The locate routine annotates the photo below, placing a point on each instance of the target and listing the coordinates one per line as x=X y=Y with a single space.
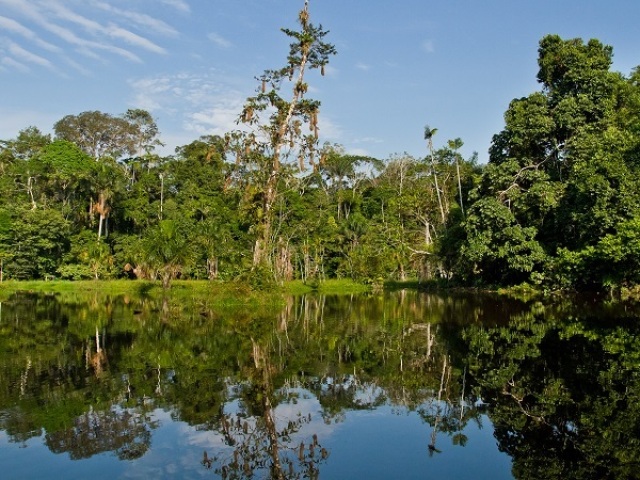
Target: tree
x=455 y=145
x=28 y=142
x=267 y=144
x=39 y=238
x=565 y=165
x=428 y=136
x=145 y=135
x=101 y=134
x=166 y=250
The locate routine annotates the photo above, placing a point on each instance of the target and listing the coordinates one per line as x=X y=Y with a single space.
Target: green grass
x=59 y=286
x=333 y=286
x=215 y=292
x=228 y=290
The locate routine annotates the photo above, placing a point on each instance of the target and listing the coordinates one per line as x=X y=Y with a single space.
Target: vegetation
x=556 y=207
x=558 y=381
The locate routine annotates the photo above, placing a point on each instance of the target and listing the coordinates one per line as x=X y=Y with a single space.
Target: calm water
x=394 y=385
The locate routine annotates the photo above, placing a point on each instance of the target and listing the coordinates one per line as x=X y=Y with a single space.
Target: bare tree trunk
x=459 y=186
x=30 y=191
x=432 y=445
x=212 y=268
x=103 y=210
x=262 y=365
x=435 y=179
x=263 y=242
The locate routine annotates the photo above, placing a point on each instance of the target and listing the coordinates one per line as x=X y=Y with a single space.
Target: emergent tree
x=265 y=145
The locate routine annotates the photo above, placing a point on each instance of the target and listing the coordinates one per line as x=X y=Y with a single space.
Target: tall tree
x=266 y=144
x=428 y=136
x=28 y=142
x=562 y=173
x=145 y=134
x=101 y=134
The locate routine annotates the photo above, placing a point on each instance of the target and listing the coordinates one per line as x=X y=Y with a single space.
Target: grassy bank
x=232 y=292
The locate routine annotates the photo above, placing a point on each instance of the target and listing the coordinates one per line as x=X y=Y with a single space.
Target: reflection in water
x=272 y=388
x=260 y=446
x=125 y=433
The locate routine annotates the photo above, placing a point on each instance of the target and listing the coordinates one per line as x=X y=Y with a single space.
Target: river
x=401 y=384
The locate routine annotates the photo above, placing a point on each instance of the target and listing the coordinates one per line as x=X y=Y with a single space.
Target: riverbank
x=215 y=288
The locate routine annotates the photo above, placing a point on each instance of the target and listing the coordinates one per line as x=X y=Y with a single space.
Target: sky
x=401 y=64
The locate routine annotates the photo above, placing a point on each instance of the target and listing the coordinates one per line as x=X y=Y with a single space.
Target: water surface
x=391 y=385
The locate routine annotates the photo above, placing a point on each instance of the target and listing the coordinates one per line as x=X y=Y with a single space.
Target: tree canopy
x=556 y=206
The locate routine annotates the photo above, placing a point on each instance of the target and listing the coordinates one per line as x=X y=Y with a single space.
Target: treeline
x=556 y=206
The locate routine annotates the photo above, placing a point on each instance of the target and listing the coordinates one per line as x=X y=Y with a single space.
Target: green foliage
x=562 y=176
x=165 y=250
x=555 y=207
x=498 y=250
x=36 y=244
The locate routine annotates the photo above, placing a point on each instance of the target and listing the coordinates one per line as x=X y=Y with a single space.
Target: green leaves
x=563 y=167
x=166 y=249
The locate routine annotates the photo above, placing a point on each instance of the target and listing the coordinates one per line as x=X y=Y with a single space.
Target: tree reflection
x=125 y=433
x=561 y=387
x=259 y=444
x=564 y=394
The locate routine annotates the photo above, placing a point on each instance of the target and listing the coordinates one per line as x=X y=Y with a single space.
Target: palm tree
x=428 y=136
x=455 y=145
x=167 y=251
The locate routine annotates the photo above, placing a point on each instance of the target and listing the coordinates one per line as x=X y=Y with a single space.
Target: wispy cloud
x=219 y=40
x=140 y=19
x=11 y=25
x=57 y=30
x=87 y=47
x=133 y=39
x=363 y=66
x=111 y=30
x=77 y=66
x=202 y=103
x=428 y=46
x=14 y=65
x=28 y=57
x=63 y=13
x=180 y=5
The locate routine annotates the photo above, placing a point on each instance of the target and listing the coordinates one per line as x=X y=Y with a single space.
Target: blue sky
x=402 y=64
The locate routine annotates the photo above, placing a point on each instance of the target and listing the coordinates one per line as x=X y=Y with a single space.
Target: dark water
x=393 y=385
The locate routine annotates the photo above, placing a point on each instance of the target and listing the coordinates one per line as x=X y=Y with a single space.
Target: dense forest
x=555 y=207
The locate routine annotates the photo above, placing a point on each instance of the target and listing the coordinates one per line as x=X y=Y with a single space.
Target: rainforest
x=554 y=208
x=144 y=333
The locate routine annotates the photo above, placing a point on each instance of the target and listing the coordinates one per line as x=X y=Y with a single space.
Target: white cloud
x=219 y=40
x=329 y=131
x=141 y=19
x=91 y=27
x=217 y=120
x=150 y=93
x=28 y=57
x=80 y=68
x=428 y=46
x=85 y=47
x=67 y=15
x=198 y=104
x=16 y=27
x=20 y=6
x=111 y=30
x=205 y=104
x=363 y=66
x=181 y=5
x=134 y=39
x=14 y=64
